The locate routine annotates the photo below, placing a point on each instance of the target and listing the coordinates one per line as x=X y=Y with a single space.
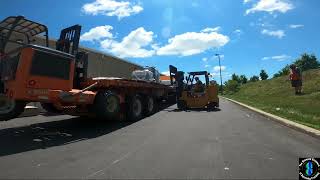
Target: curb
x=30 y=111
x=302 y=128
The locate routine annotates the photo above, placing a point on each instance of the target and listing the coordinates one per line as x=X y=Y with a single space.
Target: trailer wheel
x=182 y=105
x=107 y=105
x=49 y=107
x=135 y=108
x=150 y=105
x=10 y=109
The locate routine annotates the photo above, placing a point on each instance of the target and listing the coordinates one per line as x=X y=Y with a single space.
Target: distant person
x=199 y=87
x=296 y=79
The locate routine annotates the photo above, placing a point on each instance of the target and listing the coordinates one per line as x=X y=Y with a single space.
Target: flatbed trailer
x=129 y=94
x=57 y=78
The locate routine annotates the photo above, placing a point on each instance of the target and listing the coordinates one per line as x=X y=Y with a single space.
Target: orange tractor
x=57 y=78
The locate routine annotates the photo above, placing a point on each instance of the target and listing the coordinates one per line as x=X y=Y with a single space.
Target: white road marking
x=118 y=160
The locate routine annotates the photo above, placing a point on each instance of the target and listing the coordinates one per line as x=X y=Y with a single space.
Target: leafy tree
x=232 y=86
x=306 y=62
x=243 y=79
x=235 y=77
x=254 y=79
x=263 y=75
x=282 y=72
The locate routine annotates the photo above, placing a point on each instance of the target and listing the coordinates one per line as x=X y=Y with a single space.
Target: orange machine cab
x=40 y=69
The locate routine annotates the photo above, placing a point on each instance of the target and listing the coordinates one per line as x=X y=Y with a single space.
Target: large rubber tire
x=10 y=109
x=134 y=108
x=150 y=105
x=49 y=107
x=107 y=105
x=182 y=105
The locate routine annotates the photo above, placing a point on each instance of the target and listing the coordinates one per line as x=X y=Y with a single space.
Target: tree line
x=305 y=62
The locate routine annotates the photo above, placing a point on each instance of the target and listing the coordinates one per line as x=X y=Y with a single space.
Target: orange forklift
x=57 y=78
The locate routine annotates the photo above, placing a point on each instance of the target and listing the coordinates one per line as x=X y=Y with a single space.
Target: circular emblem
x=309 y=169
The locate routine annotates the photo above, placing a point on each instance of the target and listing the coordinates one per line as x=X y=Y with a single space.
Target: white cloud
x=133 y=45
x=97 y=33
x=140 y=43
x=237 y=31
x=191 y=43
x=271 y=6
x=225 y=75
x=208 y=30
x=295 y=26
x=277 y=58
x=278 y=33
x=207 y=66
x=217 y=68
x=166 y=73
x=204 y=59
x=246 y=1
x=120 y=9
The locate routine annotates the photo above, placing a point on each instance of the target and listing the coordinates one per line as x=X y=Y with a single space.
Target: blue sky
x=250 y=34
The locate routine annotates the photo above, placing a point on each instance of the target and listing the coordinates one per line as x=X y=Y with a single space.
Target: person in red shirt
x=296 y=79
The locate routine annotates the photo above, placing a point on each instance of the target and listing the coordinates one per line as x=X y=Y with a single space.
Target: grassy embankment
x=277 y=97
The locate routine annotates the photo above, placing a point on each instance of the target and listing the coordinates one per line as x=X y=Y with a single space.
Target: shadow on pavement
x=56 y=133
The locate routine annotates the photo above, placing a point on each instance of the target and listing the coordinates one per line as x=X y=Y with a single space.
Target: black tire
x=49 y=107
x=10 y=109
x=182 y=105
x=211 y=107
x=107 y=105
x=134 y=108
x=150 y=105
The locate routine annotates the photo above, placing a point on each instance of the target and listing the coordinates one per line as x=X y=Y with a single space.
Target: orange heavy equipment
x=192 y=93
x=57 y=78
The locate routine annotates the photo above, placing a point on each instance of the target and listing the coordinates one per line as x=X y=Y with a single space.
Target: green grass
x=276 y=96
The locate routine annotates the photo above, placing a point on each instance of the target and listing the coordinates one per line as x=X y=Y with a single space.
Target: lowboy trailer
x=57 y=78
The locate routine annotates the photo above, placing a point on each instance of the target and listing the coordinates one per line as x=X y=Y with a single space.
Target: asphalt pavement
x=230 y=143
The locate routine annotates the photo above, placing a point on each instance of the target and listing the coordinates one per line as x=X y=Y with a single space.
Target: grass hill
x=276 y=96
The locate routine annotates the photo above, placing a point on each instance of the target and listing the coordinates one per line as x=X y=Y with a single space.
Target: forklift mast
x=177 y=78
x=69 y=37
x=69 y=43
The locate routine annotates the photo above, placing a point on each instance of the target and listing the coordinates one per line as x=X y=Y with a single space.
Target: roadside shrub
x=254 y=79
x=232 y=86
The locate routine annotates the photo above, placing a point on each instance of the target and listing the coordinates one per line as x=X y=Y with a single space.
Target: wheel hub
x=112 y=104
x=137 y=108
x=150 y=104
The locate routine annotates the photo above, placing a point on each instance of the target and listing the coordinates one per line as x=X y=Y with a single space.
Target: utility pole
x=221 y=89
